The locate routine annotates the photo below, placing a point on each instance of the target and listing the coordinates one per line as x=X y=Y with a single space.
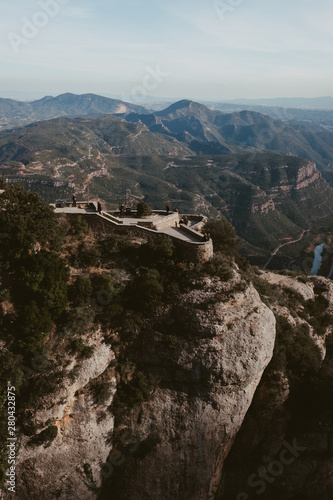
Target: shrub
x=43 y=278
x=82 y=350
x=294 y=350
x=157 y=251
x=315 y=313
x=5 y=295
x=79 y=226
x=146 y=291
x=112 y=316
x=133 y=392
x=28 y=220
x=80 y=291
x=87 y=256
x=220 y=265
x=33 y=325
x=223 y=235
x=102 y=283
x=77 y=320
x=101 y=392
x=143 y=209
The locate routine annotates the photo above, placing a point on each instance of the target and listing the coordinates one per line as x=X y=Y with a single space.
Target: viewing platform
x=183 y=229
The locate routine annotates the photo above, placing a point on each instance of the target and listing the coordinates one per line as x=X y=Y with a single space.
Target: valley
x=272 y=178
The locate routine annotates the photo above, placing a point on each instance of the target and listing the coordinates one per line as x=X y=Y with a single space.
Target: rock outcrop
x=63 y=459
x=184 y=432
x=179 y=437
x=291 y=413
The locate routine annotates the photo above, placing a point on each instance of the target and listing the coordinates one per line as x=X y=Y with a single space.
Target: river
x=317 y=259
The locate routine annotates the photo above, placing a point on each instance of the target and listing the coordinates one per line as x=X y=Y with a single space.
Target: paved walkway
x=181 y=234
x=176 y=232
x=130 y=221
x=74 y=210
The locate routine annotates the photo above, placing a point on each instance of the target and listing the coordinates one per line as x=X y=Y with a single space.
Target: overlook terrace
x=188 y=238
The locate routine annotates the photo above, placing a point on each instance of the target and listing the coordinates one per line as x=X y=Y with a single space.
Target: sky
x=196 y=49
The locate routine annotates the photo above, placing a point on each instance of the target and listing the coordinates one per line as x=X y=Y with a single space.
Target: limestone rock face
x=288 y=409
x=182 y=434
x=68 y=467
x=199 y=406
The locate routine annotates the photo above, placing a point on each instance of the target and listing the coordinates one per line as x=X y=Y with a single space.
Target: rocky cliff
x=224 y=393
x=284 y=449
x=186 y=429
x=174 y=444
x=62 y=460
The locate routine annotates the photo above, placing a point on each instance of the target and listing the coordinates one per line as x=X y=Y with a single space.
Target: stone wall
x=194 y=252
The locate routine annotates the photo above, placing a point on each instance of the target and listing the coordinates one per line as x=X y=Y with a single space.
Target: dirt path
x=137 y=135
x=97 y=173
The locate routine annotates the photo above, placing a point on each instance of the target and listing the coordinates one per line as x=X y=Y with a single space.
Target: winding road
x=283 y=245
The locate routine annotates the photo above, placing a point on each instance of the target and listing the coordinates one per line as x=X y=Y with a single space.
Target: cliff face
x=305 y=176
x=174 y=444
x=186 y=429
x=65 y=463
x=235 y=386
x=284 y=449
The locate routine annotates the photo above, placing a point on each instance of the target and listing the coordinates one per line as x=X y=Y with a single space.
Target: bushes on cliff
x=131 y=393
x=157 y=252
x=224 y=236
x=33 y=325
x=81 y=349
x=43 y=278
x=80 y=291
x=79 y=226
x=294 y=350
x=86 y=256
x=25 y=220
x=146 y=291
x=220 y=265
x=315 y=313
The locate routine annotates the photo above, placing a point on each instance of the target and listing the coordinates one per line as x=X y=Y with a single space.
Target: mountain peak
x=185 y=106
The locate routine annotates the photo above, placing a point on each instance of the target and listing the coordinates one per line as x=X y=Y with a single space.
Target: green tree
x=147 y=290
x=34 y=323
x=80 y=291
x=79 y=226
x=43 y=277
x=157 y=250
x=25 y=219
x=224 y=236
x=143 y=209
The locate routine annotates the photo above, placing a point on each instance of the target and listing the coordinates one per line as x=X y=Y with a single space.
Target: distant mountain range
x=290 y=102
x=17 y=113
x=207 y=131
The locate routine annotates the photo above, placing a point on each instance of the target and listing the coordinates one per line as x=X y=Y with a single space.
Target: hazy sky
x=199 y=49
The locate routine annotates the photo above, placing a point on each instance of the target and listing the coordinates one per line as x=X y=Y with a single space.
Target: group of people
x=183 y=220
